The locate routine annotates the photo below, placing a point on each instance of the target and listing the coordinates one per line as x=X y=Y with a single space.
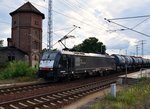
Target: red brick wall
x=27 y=32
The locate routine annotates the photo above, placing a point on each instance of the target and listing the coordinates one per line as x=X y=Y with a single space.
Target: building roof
x=11 y=48
x=29 y=8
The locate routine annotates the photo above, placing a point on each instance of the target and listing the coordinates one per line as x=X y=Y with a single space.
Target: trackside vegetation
x=17 y=70
x=135 y=97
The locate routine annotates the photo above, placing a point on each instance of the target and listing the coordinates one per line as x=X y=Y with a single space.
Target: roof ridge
x=27 y=7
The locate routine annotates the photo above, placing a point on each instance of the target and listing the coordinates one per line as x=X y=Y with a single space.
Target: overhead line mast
x=50 y=26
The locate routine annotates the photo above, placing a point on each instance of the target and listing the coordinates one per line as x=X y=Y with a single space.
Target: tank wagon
x=55 y=65
x=59 y=64
x=131 y=62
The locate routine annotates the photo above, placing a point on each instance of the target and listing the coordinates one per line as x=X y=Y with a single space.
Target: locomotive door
x=70 y=64
x=64 y=63
x=67 y=63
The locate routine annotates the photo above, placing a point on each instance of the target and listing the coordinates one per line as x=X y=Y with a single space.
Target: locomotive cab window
x=49 y=56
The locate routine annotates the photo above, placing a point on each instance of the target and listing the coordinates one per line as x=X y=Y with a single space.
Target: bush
x=135 y=97
x=17 y=69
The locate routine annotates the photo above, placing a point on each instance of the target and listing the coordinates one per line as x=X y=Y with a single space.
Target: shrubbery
x=17 y=69
x=135 y=97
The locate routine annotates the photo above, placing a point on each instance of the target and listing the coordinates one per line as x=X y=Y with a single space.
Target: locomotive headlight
x=51 y=69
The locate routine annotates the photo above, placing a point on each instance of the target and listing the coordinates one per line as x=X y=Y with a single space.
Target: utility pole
x=120 y=51
x=126 y=52
x=142 y=47
x=50 y=25
x=137 y=48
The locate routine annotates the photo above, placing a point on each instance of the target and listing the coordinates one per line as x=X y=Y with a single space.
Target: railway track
x=23 y=88
x=56 y=99
x=30 y=87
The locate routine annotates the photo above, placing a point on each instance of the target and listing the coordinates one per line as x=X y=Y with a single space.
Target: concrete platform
x=142 y=73
x=134 y=77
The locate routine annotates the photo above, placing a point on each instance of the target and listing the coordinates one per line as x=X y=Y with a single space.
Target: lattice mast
x=50 y=25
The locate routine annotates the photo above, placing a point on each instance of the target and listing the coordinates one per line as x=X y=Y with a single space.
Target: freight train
x=55 y=65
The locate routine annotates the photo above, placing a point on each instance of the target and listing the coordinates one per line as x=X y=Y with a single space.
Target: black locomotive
x=65 y=64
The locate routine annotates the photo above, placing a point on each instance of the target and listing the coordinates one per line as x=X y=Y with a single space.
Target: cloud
x=90 y=17
x=115 y=43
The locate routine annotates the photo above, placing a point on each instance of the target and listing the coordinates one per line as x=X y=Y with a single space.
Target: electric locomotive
x=65 y=64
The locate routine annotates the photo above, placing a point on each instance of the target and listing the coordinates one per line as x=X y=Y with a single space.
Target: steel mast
x=50 y=26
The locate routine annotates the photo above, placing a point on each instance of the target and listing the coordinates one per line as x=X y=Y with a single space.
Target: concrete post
x=113 y=90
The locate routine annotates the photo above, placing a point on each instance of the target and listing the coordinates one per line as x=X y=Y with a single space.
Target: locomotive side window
x=83 y=60
x=77 y=61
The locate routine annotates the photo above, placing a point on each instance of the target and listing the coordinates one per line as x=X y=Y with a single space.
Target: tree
x=1 y=43
x=90 y=45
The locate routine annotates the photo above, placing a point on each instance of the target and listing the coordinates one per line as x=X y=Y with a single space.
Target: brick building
x=27 y=31
x=8 y=54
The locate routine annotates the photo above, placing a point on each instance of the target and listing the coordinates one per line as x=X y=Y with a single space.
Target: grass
x=17 y=71
x=135 y=97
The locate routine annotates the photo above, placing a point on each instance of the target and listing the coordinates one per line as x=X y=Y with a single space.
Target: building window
x=35 y=45
x=11 y=58
x=36 y=32
x=35 y=58
x=14 y=22
x=36 y=23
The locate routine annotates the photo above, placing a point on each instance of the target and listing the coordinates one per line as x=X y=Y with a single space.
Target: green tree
x=90 y=45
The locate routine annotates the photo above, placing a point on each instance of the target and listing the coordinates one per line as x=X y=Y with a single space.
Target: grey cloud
x=117 y=44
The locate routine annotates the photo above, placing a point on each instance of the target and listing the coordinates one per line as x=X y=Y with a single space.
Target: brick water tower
x=27 y=31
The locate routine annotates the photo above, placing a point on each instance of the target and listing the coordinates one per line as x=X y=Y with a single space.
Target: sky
x=89 y=16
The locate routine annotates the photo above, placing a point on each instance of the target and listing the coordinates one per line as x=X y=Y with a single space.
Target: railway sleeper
x=30 y=102
x=38 y=100
x=70 y=98
x=14 y=89
x=8 y=90
x=53 y=104
x=50 y=97
x=61 y=94
x=2 y=108
x=60 y=102
x=65 y=93
x=56 y=96
x=2 y=91
x=45 y=99
x=68 y=93
x=22 y=104
x=76 y=96
x=36 y=108
x=13 y=106
x=45 y=106
x=65 y=100
x=83 y=93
